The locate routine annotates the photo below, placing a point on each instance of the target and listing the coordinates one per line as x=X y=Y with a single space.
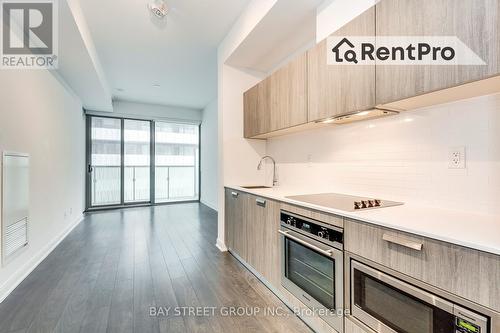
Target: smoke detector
x=159 y=8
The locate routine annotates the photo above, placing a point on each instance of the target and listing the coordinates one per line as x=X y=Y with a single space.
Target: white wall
x=241 y=156
x=246 y=22
x=209 y=156
x=152 y=111
x=41 y=117
x=403 y=157
x=333 y=14
x=237 y=157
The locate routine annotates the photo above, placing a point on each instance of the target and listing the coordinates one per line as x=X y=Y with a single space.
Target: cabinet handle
x=403 y=242
x=234 y=194
x=261 y=202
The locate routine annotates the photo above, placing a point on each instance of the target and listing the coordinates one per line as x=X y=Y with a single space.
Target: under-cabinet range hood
x=350 y=117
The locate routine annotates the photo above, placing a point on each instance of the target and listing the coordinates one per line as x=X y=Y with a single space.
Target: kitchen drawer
x=465 y=272
x=334 y=220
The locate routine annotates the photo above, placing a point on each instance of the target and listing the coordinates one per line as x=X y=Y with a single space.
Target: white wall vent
x=15 y=204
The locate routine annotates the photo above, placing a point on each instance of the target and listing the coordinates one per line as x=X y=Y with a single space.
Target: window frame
x=123 y=204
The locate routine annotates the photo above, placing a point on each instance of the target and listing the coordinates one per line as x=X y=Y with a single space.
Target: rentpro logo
x=400 y=50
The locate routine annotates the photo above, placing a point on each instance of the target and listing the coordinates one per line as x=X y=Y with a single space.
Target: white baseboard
x=209 y=205
x=28 y=267
x=221 y=246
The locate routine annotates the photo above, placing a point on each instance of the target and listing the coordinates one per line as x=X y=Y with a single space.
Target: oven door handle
x=306 y=244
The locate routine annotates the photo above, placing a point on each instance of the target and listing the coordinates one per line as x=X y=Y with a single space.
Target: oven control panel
x=313 y=228
x=467 y=321
x=464 y=326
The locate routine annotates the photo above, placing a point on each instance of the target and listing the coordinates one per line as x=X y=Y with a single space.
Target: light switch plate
x=456 y=158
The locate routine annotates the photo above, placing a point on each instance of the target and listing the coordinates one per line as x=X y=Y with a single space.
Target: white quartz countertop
x=476 y=231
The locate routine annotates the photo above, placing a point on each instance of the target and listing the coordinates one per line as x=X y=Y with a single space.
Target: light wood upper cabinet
x=474 y=22
x=307 y=89
x=254 y=122
x=336 y=89
x=288 y=95
x=279 y=101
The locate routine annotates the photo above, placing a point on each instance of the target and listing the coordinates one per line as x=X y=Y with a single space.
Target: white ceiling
x=78 y=63
x=293 y=26
x=138 y=51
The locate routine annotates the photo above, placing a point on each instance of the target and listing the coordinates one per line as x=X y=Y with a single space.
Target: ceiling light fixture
x=159 y=8
x=156 y=85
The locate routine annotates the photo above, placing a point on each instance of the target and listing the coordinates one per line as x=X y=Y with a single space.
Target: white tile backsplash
x=403 y=157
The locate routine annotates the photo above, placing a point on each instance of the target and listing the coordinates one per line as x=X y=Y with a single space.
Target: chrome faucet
x=259 y=167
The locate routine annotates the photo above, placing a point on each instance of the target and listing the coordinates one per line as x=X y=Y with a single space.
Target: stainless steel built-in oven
x=312 y=265
x=388 y=304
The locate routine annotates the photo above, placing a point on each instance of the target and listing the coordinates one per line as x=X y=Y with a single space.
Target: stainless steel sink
x=255 y=187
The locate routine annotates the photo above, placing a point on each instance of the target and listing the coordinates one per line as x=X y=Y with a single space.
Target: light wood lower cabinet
x=263 y=237
x=252 y=225
x=471 y=274
x=235 y=222
x=251 y=232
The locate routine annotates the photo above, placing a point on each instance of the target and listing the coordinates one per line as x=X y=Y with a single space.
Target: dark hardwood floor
x=115 y=266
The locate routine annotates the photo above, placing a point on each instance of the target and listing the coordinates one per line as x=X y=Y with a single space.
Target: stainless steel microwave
x=388 y=304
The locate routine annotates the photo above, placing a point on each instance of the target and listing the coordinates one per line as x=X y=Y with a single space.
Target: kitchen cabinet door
x=287 y=98
x=474 y=22
x=254 y=124
x=337 y=89
x=272 y=247
x=262 y=236
x=278 y=102
x=235 y=218
x=228 y=218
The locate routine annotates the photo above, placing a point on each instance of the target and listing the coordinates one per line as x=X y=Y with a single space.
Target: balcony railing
x=172 y=183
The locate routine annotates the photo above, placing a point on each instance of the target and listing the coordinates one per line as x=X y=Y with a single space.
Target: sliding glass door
x=121 y=153
x=176 y=162
x=105 y=161
x=137 y=160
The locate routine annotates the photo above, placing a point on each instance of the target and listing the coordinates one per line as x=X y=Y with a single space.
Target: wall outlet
x=456 y=159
